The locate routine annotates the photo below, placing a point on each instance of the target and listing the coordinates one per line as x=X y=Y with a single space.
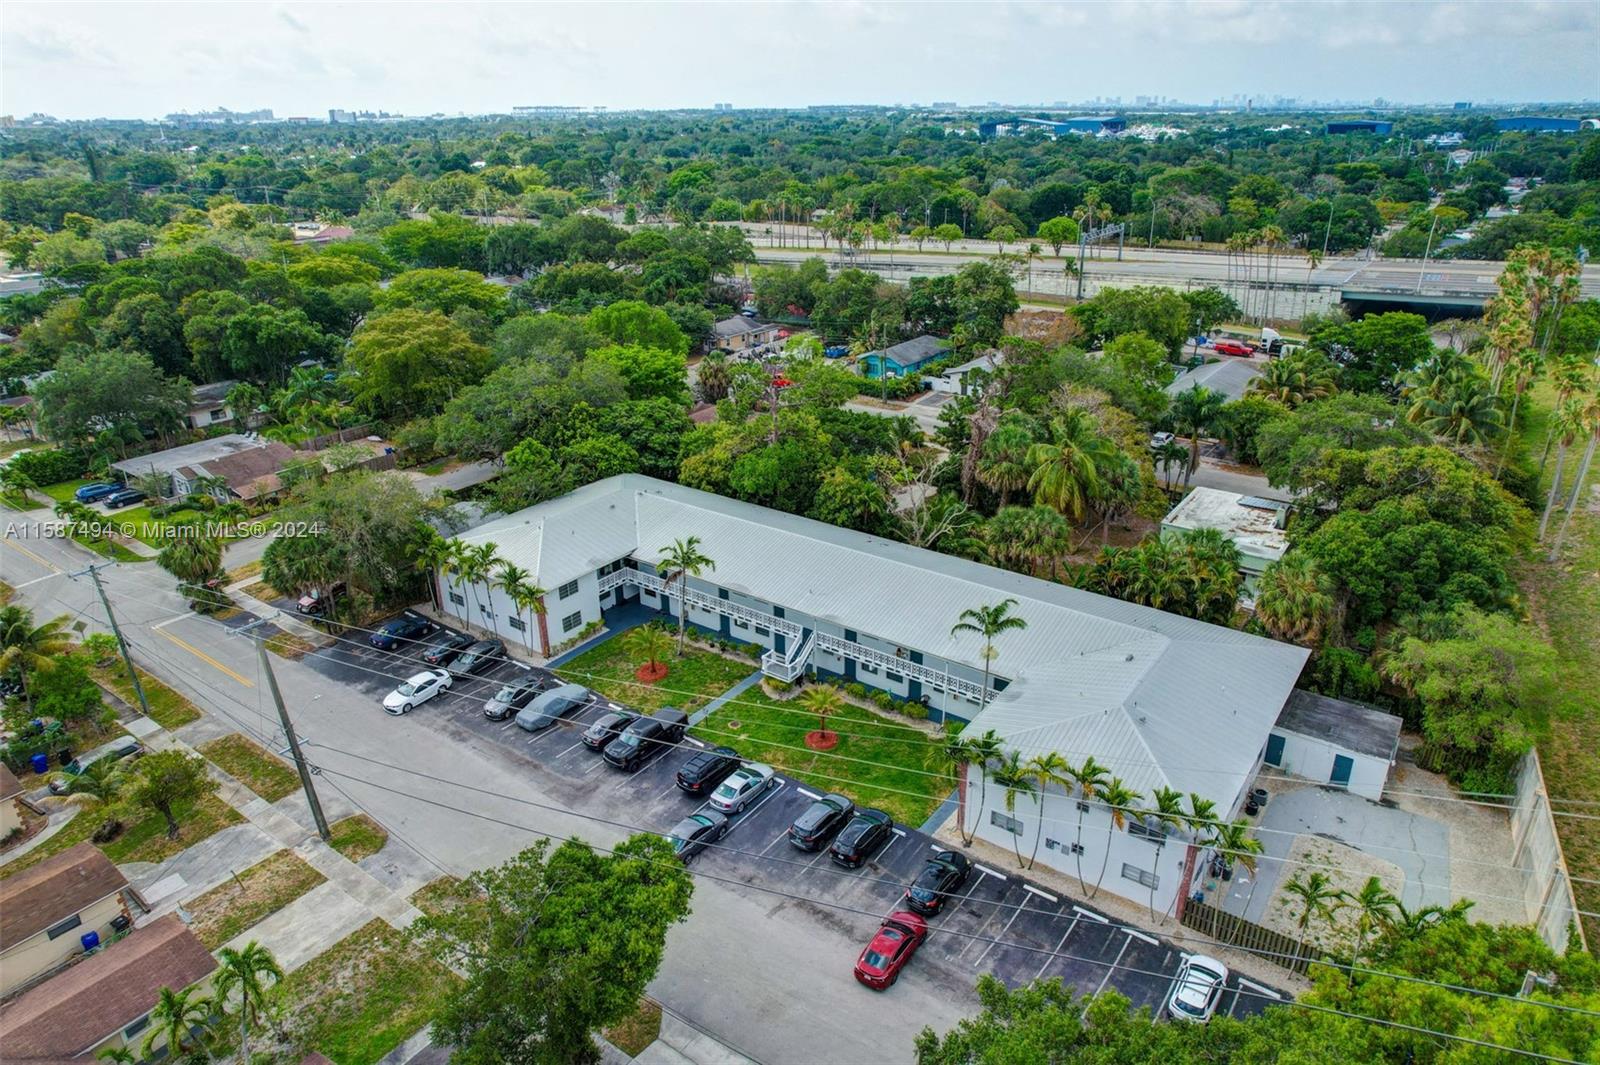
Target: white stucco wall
x=1312 y=759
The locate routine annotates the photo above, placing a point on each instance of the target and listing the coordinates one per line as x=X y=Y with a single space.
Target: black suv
x=820 y=821
x=940 y=878
x=646 y=737
x=701 y=774
x=867 y=831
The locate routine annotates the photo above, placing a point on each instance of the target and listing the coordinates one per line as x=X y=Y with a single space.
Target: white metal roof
x=1231 y=378
x=1157 y=697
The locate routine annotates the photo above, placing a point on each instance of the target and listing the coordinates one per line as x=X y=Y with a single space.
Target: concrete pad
x=212 y=860
x=681 y=1042
x=307 y=926
x=141 y=727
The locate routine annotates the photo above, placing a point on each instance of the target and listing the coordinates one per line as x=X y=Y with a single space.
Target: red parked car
x=880 y=963
x=1233 y=347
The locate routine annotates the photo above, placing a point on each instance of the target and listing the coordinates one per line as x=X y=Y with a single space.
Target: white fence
x=1536 y=850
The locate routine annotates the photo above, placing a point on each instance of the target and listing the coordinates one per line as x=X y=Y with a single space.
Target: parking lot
x=998 y=923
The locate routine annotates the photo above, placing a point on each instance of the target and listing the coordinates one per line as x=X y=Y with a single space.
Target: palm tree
x=1066 y=470
x=989 y=622
x=1167 y=456
x=193 y=555
x=1589 y=416
x=1003 y=463
x=473 y=564
x=1168 y=813
x=1450 y=398
x=680 y=561
x=436 y=553
x=1318 y=900
x=824 y=700
x=1091 y=778
x=1293 y=381
x=1294 y=599
x=101 y=784
x=120 y=1055
x=1567 y=423
x=1376 y=909
x=1193 y=412
x=1119 y=800
x=524 y=593
x=1012 y=775
x=955 y=753
x=1233 y=841
x=1046 y=769
x=1409 y=924
x=249 y=971
x=16 y=484
x=26 y=648
x=983 y=749
x=648 y=642
x=181 y=1021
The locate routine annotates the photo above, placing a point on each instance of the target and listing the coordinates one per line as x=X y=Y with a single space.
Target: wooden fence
x=1224 y=927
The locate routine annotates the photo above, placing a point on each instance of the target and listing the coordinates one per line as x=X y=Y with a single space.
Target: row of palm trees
x=188 y=1023
x=474 y=564
x=1378 y=912
x=1031 y=778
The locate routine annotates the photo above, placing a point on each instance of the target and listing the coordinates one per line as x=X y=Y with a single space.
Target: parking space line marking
x=899 y=832
x=1030 y=889
x=879 y=856
x=986 y=871
x=771 y=791
x=1258 y=987
x=507 y=725
x=1091 y=914
x=1140 y=935
x=779 y=838
x=1057 y=951
x=808 y=794
x=571 y=747
x=697 y=743
x=207 y=659
x=671 y=789
x=598 y=762
x=995 y=939
x=1114 y=965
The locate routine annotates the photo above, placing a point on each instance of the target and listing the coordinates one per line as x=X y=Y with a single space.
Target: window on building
x=458 y=599
x=1005 y=822
x=893 y=677
x=867 y=667
x=572 y=621
x=649 y=593
x=762 y=630
x=566 y=591
x=517 y=623
x=740 y=623
x=1142 y=877
x=138 y=1026
x=56 y=931
x=483 y=608
x=1141 y=829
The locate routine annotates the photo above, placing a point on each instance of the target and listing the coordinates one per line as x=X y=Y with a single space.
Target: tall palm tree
x=523 y=591
x=1376 y=909
x=1003 y=464
x=989 y=622
x=1167 y=456
x=1236 y=846
x=984 y=750
x=181 y=1021
x=1293 y=381
x=1567 y=424
x=955 y=753
x=26 y=648
x=436 y=554
x=1067 y=469
x=1091 y=778
x=1167 y=813
x=824 y=700
x=681 y=560
x=1046 y=769
x=1119 y=801
x=1194 y=412
x=1294 y=599
x=1012 y=775
x=17 y=485
x=246 y=974
x=473 y=565
x=1318 y=898
x=193 y=555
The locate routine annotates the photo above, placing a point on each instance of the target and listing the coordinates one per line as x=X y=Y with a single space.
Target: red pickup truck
x=1233 y=347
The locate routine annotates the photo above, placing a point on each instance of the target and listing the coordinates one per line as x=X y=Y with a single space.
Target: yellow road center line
x=207 y=659
x=52 y=567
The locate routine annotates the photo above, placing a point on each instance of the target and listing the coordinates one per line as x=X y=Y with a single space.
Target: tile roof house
x=248 y=465
x=45 y=910
x=105 y=1000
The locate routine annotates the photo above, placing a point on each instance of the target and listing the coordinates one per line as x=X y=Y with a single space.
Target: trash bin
x=40 y=763
x=90 y=941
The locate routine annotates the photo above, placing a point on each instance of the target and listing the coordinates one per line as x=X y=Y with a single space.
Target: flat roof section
x=1351 y=725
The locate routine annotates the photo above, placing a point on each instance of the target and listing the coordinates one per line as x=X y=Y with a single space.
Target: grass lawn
x=1565 y=601
x=765 y=730
x=6 y=592
x=168 y=709
x=257 y=893
x=290 y=646
x=637 y=1030
x=357 y=837
x=690 y=683
x=436 y=896
x=252 y=766
x=359 y=999
x=244 y=572
x=144 y=839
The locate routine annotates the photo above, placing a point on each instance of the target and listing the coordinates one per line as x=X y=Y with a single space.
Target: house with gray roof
x=1230 y=377
x=903 y=358
x=236 y=466
x=739 y=333
x=1162 y=701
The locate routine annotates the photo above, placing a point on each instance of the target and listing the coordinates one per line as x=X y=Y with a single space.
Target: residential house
x=104 y=1002
x=209 y=405
x=741 y=334
x=904 y=358
x=1346 y=744
x=1159 y=698
x=1231 y=378
x=48 y=909
x=955 y=379
x=1253 y=524
x=10 y=803
x=235 y=466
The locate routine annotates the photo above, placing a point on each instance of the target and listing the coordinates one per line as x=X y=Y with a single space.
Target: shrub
x=779 y=685
x=883 y=699
x=856 y=690
x=51 y=465
x=108 y=831
x=914 y=710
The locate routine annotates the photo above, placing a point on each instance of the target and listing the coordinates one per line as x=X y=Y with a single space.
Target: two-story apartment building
x=46 y=910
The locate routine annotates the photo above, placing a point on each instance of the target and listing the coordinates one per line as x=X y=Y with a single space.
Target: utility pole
x=1423 y=272
x=288 y=730
x=122 y=645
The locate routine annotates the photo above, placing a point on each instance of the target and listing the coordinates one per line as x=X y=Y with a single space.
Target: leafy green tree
x=371 y=530
x=68 y=693
x=984 y=296
x=1240 y=422
x=1291 y=445
x=169 y=781
x=412 y=361
x=1144 y=365
x=1209 y=307
x=845 y=498
x=947 y=233
x=445 y=291
x=594 y=458
x=1058 y=232
x=531 y=475
x=649 y=372
x=633 y=323
x=147 y=323
x=1375 y=352
x=1159 y=313
x=95 y=389
x=554 y=946
x=264 y=343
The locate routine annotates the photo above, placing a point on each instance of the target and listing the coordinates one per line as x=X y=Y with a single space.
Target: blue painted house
x=903 y=358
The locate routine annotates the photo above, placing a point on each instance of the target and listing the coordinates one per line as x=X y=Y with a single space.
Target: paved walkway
x=732 y=693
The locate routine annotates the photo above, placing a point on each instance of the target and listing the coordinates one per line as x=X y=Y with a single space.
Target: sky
x=143 y=60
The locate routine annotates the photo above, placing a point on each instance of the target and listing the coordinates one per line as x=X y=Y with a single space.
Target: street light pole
x=122 y=645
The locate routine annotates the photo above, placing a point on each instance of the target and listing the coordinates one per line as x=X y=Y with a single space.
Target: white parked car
x=742 y=785
x=1199 y=987
x=418 y=689
x=1159 y=441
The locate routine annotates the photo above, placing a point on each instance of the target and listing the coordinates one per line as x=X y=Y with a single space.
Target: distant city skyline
x=145 y=60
